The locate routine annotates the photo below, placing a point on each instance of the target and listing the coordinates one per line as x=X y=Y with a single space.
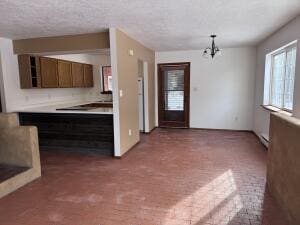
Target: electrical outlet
x=129 y=132
x=121 y=93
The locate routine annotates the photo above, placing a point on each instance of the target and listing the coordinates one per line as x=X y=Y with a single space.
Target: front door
x=174 y=94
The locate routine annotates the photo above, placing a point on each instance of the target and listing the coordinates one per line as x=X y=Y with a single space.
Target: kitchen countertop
x=53 y=108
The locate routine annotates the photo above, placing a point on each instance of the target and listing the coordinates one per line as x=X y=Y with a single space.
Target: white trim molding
x=116 y=109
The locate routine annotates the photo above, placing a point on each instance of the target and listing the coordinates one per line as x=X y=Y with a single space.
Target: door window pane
x=174 y=100
x=174 y=90
x=174 y=80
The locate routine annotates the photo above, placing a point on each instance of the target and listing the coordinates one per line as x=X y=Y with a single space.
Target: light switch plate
x=130 y=52
x=121 y=93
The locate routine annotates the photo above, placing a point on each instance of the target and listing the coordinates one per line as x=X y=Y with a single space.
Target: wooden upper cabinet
x=88 y=75
x=29 y=69
x=78 y=74
x=44 y=72
x=64 y=71
x=49 y=72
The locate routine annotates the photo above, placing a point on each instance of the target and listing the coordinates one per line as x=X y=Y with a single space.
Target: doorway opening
x=143 y=92
x=174 y=95
x=2 y=107
x=0 y=103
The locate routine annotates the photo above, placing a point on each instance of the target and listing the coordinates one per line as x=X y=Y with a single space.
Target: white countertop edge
x=52 y=108
x=65 y=112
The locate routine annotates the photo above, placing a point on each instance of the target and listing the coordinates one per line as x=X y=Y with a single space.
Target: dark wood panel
x=90 y=132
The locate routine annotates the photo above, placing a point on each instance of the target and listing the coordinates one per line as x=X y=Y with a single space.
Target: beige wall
x=140 y=68
x=127 y=75
x=283 y=167
x=62 y=43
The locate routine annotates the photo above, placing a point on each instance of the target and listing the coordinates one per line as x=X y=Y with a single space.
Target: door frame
x=174 y=124
x=146 y=97
x=2 y=98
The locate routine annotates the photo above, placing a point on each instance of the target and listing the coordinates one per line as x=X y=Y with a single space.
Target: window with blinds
x=174 y=90
x=283 y=64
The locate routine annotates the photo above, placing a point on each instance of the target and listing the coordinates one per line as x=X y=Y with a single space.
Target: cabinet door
x=78 y=74
x=29 y=71
x=64 y=69
x=49 y=72
x=88 y=75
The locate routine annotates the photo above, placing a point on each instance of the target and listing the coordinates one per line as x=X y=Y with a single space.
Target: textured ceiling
x=159 y=24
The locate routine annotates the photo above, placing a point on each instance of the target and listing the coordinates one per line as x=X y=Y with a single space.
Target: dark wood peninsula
x=87 y=131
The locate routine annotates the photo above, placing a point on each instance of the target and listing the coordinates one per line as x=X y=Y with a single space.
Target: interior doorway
x=174 y=95
x=143 y=93
x=0 y=103
x=2 y=100
x=1 y=88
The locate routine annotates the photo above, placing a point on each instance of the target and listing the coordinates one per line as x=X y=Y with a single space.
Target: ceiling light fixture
x=213 y=50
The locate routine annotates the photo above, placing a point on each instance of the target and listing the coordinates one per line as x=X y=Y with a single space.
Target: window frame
x=102 y=79
x=273 y=55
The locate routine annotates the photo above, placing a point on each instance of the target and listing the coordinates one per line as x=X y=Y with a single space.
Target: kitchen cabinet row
x=46 y=72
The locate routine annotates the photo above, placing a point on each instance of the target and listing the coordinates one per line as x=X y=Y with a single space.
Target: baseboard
x=262 y=139
x=120 y=157
x=150 y=130
x=215 y=129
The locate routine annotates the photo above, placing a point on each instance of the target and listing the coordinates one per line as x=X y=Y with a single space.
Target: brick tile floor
x=194 y=177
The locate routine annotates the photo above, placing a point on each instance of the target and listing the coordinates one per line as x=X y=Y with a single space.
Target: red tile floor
x=172 y=177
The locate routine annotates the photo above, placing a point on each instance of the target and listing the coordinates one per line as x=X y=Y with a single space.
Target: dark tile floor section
x=180 y=177
x=8 y=171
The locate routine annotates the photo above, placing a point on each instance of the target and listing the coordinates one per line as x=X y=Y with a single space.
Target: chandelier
x=213 y=50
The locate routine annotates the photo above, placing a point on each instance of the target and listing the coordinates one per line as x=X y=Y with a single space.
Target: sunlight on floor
x=217 y=202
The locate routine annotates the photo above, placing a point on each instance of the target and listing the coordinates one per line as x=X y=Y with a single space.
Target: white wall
x=222 y=89
x=17 y=98
x=285 y=35
x=97 y=60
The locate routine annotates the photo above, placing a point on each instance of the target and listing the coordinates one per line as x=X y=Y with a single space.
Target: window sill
x=275 y=109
